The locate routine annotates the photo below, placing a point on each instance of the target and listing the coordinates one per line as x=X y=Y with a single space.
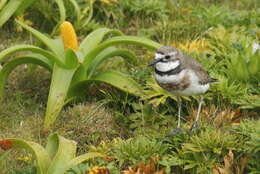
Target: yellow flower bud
x=99 y=170
x=68 y=36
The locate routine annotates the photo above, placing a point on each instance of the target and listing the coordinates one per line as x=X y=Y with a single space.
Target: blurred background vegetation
x=131 y=131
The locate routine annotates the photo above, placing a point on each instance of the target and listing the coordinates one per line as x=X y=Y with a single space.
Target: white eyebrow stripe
x=159 y=56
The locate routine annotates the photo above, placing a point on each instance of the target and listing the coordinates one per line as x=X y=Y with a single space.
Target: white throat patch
x=167 y=66
x=159 y=56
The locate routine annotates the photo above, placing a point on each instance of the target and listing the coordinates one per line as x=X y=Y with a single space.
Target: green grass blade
x=77 y=161
x=254 y=65
x=65 y=151
x=108 y=53
x=94 y=38
x=39 y=153
x=47 y=41
x=3 y=157
x=61 y=80
x=29 y=59
x=8 y=10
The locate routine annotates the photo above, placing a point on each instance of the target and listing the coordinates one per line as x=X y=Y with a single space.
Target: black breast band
x=174 y=71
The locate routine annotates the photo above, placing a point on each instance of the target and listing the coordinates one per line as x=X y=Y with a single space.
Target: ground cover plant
x=123 y=120
x=71 y=69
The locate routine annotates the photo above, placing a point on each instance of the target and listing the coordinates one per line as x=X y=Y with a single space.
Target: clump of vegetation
x=72 y=66
x=112 y=107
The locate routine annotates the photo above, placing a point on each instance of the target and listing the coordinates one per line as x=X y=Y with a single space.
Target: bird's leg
x=178 y=130
x=179 y=111
x=195 y=124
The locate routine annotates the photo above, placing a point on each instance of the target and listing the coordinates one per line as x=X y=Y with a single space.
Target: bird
x=180 y=75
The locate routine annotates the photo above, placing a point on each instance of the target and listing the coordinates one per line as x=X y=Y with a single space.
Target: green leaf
x=8 y=10
x=3 y=157
x=25 y=4
x=8 y=67
x=61 y=80
x=77 y=161
x=113 y=78
x=65 y=152
x=14 y=49
x=77 y=10
x=135 y=40
x=85 y=22
x=47 y=41
x=94 y=38
x=52 y=145
x=39 y=153
x=108 y=53
x=71 y=60
x=62 y=10
x=2 y=4
x=254 y=65
x=190 y=166
x=120 y=40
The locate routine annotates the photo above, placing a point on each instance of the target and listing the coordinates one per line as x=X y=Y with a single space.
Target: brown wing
x=200 y=72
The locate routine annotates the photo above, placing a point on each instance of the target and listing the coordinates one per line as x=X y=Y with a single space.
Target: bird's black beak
x=154 y=62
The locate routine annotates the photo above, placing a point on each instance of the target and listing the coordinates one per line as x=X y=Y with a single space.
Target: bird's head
x=166 y=54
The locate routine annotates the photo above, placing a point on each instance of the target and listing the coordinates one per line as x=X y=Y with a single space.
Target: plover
x=181 y=76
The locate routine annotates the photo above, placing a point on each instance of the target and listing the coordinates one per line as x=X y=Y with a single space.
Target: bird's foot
x=176 y=131
x=195 y=126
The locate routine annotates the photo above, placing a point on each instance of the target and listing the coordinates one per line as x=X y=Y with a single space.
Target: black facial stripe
x=163 y=60
x=167 y=56
x=174 y=71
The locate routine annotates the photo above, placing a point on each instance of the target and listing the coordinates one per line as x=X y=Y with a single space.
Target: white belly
x=193 y=89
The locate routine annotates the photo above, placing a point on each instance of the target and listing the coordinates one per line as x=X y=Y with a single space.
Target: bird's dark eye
x=167 y=57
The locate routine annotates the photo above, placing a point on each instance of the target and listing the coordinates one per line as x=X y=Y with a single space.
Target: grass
x=132 y=131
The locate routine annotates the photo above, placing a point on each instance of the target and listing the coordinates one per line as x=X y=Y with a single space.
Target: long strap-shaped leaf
x=9 y=10
x=65 y=152
x=7 y=68
x=120 y=40
x=62 y=10
x=113 y=78
x=108 y=53
x=40 y=154
x=61 y=80
x=135 y=40
x=58 y=50
x=77 y=10
x=85 y=22
x=2 y=4
x=12 y=50
x=77 y=161
x=24 y=6
x=94 y=38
